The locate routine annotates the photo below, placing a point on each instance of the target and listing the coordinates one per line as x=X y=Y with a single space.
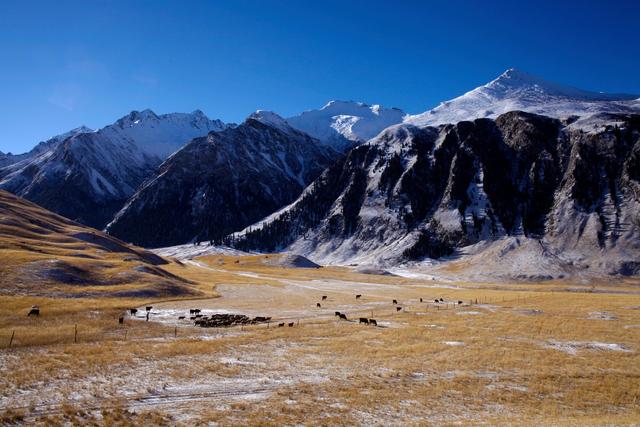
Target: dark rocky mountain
x=222 y=183
x=88 y=176
x=412 y=193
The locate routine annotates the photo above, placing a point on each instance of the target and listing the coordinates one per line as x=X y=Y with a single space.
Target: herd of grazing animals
x=226 y=320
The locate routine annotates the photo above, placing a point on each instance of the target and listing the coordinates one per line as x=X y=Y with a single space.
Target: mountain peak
x=270 y=118
x=518 y=90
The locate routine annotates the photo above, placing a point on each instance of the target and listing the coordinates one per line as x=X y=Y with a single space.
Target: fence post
x=75 y=333
x=12 y=335
x=175 y=332
x=126 y=331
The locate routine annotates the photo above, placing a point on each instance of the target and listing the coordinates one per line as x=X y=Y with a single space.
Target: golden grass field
x=552 y=353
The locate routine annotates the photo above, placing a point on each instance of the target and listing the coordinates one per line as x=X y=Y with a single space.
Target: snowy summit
x=517 y=90
x=343 y=124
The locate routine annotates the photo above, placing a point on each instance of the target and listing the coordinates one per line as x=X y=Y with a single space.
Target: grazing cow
x=337 y=314
x=364 y=320
x=35 y=311
x=395 y=301
x=291 y=324
x=280 y=325
x=198 y=316
x=324 y=297
x=318 y=305
x=121 y=320
x=441 y=300
x=459 y=302
x=149 y=307
x=398 y=308
x=373 y=322
x=343 y=316
x=358 y=296
x=133 y=311
x=181 y=317
x=192 y=317
x=192 y=311
x=420 y=299
x=436 y=300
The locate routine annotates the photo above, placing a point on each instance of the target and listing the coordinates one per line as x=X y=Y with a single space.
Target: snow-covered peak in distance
x=517 y=90
x=161 y=135
x=343 y=124
x=271 y=119
x=9 y=158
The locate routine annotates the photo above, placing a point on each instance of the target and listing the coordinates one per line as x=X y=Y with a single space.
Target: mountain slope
x=221 y=183
x=343 y=124
x=9 y=159
x=88 y=176
x=517 y=90
x=415 y=192
x=48 y=255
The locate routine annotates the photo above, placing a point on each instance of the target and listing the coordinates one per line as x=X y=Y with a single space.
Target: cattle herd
x=228 y=320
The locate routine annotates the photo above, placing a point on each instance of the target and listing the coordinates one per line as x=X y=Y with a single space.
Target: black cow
x=373 y=322
x=148 y=308
x=358 y=296
x=398 y=308
x=181 y=317
x=280 y=325
x=343 y=316
x=133 y=311
x=395 y=301
x=436 y=300
x=35 y=311
x=121 y=320
x=318 y=305
x=364 y=320
x=441 y=300
x=291 y=324
x=324 y=297
x=420 y=299
x=459 y=302
x=337 y=314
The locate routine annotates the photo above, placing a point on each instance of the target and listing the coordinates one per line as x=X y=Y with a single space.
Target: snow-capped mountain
x=222 y=182
x=344 y=124
x=87 y=176
x=516 y=90
x=416 y=192
x=8 y=158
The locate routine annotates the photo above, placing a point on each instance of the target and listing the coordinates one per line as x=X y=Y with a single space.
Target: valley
x=475 y=264
x=511 y=353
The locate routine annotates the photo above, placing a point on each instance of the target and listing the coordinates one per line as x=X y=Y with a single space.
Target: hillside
x=44 y=254
x=416 y=193
x=88 y=176
x=221 y=183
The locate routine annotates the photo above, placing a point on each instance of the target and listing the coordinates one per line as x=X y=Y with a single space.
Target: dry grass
x=556 y=353
x=509 y=365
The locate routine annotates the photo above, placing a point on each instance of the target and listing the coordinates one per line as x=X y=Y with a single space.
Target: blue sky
x=68 y=63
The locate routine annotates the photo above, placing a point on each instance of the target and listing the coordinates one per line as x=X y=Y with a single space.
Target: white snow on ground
x=453 y=343
x=572 y=347
x=188 y=251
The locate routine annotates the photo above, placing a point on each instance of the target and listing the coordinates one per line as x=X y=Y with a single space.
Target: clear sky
x=69 y=63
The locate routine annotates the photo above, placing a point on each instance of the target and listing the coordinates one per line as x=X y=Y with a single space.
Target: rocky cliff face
x=222 y=183
x=430 y=192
